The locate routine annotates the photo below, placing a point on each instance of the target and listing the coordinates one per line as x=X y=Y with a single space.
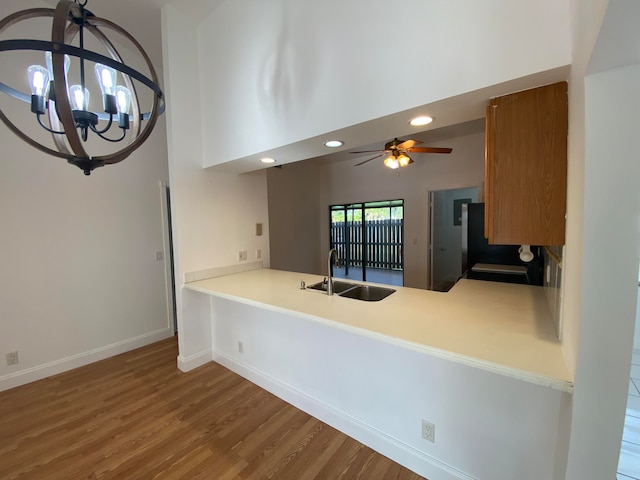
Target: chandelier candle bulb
x=107 y=78
x=79 y=97
x=38 y=79
x=123 y=98
x=49 y=62
x=39 y=83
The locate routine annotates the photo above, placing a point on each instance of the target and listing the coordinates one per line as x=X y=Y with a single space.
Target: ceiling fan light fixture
x=333 y=143
x=420 y=121
x=398 y=151
x=404 y=160
x=392 y=162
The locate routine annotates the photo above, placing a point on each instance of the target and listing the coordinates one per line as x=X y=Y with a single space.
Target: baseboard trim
x=39 y=372
x=196 y=360
x=398 y=451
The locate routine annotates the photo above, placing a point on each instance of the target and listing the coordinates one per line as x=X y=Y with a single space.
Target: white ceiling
x=142 y=18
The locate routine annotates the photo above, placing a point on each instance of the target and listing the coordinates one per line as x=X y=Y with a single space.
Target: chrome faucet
x=332 y=252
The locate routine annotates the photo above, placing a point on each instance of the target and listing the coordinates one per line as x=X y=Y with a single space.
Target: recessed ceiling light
x=420 y=121
x=333 y=143
x=267 y=160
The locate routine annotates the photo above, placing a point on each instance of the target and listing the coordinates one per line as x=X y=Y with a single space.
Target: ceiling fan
x=399 y=150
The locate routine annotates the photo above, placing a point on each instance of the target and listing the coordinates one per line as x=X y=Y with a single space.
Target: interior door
x=446 y=235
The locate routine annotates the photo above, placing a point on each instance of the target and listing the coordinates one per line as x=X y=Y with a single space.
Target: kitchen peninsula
x=500 y=327
x=474 y=362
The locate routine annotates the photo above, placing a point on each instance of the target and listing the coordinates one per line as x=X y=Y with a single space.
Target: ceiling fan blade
x=407 y=144
x=430 y=150
x=372 y=158
x=369 y=151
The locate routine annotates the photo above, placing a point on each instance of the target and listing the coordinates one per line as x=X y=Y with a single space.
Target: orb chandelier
x=65 y=111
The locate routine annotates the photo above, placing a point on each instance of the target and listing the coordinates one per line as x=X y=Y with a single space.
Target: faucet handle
x=302 y=285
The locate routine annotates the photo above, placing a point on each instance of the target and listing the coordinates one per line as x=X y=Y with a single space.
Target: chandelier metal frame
x=70 y=19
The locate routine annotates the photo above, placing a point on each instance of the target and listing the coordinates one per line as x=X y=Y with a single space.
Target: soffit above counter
x=449 y=112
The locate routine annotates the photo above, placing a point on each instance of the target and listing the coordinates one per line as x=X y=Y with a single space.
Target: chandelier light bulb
x=107 y=77
x=123 y=98
x=39 y=84
x=49 y=60
x=79 y=97
x=38 y=80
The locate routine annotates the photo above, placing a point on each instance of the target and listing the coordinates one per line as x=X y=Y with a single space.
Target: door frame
x=167 y=244
x=362 y=207
x=430 y=194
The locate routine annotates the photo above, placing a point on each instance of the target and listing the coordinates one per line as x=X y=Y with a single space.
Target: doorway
x=445 y=243
x=167 y=240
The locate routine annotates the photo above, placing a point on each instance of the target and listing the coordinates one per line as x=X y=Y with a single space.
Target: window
x=369 y=239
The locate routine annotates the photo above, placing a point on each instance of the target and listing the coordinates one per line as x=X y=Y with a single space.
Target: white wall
x=292 y=70
x=609 y=271
x=487 y=426
x=214 y=215
x=599 y=290
x=79 y=279
x=342 y=183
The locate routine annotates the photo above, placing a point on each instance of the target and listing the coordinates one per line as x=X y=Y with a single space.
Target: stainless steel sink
x=366 y=293
x=338 y=286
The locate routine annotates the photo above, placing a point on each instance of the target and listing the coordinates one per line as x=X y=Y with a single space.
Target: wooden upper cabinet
x=526 y=167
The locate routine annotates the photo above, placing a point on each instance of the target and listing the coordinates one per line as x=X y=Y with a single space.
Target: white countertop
x=501 y=327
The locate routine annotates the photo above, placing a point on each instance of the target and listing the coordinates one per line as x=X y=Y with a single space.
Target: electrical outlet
x=12 y=358
x=240 y=347
x=258 y=254
x=428 y=431
x=242 y=255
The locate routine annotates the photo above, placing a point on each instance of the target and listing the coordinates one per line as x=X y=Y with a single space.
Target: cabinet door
x=526 y=167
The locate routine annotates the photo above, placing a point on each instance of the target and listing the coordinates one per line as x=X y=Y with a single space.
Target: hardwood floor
x=136 y=416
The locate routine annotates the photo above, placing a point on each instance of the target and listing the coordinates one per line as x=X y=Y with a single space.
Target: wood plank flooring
x=136 y=416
